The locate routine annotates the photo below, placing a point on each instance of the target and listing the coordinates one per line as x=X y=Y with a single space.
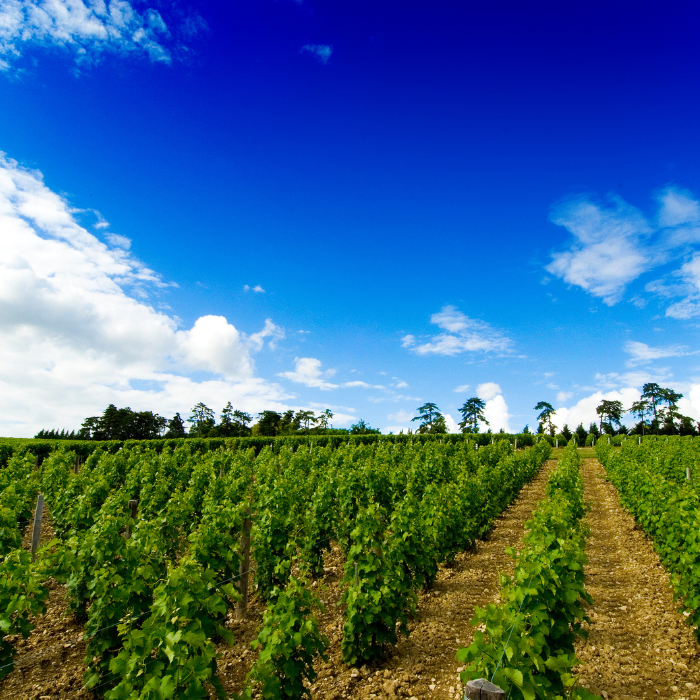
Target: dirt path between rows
x=639 y=645
x=49 y=663
x=424 y=664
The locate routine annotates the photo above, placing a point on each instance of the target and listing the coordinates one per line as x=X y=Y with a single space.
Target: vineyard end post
x=133 y=504
x=36 y=533
x=481 y=689
x=243 y=568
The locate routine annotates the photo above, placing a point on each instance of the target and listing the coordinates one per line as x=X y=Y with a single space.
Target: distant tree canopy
x=123 y=424
x=431 y=420
x=545 y=417
x=472 y=414
x=56 y=435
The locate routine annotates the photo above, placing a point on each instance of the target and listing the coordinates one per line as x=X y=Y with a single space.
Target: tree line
x=125 y=424
x=657 y=411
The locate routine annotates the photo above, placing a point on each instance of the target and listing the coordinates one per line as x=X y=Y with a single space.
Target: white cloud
x=87 y=29
x=114 y=239
x=641 y=353
x=461 y=334
x=496 y=413
x=614 y=380
x=401 y=416
x=689 y=274
x=308 y=371
x=689 y=405
x=564 y=396
x=584 y=410
x=487 y=390
x=452 y=425
x=321 y=51
x=615 y=244
x=608 y=251
x=461 y=388
x=73 y=340
x=357 y=383
x=259 y=290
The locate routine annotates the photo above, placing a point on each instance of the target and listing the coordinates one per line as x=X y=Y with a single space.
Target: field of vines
x=152 y=548
x=157 y=549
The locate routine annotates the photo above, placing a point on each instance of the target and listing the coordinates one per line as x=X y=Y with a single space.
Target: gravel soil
x=639 y=645
x=49 y=663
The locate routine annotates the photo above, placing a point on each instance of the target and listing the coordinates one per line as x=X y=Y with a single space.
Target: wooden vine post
x=244 y=568
x=36 y=532
x=481 y=689
x=133 y=504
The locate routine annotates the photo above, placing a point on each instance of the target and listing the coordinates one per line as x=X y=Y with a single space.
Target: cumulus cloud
x=689 y=405
x=452 y=425
x=460 y=334
x=258 y=290
x=614 y=243
x=401 y=416
x=73 y=338
x=641 y=353
x=307 y=371
x=496 y=413
x=487 y=390
x=88 y=29
x=584 y=410
x=321 y=51
x=608 y=250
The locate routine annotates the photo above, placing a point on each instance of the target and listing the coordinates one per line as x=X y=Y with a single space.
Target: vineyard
x=169 y=559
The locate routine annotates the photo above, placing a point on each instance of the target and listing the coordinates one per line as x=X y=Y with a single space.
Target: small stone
x=432 y=686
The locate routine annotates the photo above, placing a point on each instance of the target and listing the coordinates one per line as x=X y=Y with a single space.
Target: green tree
x=234 y=423
x=324 y=419
x=267 y=425
x=581 y=434
x=202 y=420
x=653 y=393
x=566 y=432
x=362 y=428
x=176 y=427
x=545 y=417
x=472 y=413
x=123 y=424
x=305 y=419
x=641 y=409
x=612 y=410
x=431 y=420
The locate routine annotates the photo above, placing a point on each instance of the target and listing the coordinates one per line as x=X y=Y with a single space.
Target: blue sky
x=361 y=206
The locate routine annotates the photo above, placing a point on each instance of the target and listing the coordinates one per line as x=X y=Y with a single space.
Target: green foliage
x=379 y=602
x=21 y=595
x=527 y=646
x=172 y=654
x=289 y=642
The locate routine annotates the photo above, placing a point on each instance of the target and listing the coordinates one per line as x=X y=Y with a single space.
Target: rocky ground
x=639 y=646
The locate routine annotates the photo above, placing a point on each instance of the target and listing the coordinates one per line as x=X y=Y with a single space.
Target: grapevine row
x=527 y=643
x=153 y=591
